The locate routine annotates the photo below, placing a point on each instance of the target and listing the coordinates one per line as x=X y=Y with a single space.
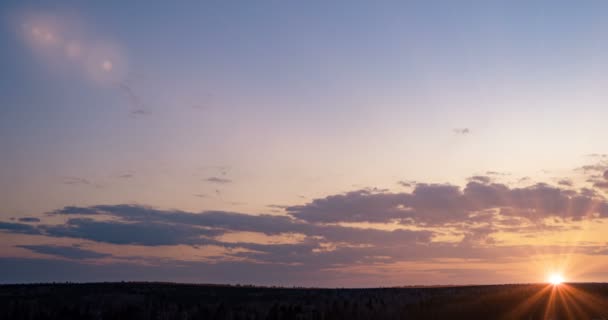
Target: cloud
x=428 y=206
x=354 y=206
x=76 y=210
x=69 y=252
x=497 y=173
x=565 y=182
x=595 y=167
x=601 y=185
x=277 y=206
x=429 y=221
x=479 y=235
x=406 y=183
x=218 y=180
x=142 y=233
x=126 y=176
x=482 y=179
x=29 y=219
x=75 y=181
x=136 y=105
x=139 y=112
x=134 y=100
x=597 y=173
x=461 y=131
x=18 y=228
x=133 y=224
x=322 y=247
x=437 y=204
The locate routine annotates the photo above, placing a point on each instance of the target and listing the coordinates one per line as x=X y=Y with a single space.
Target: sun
x=556 y=279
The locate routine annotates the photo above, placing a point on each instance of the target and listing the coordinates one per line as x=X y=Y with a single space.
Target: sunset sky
x=315 y=143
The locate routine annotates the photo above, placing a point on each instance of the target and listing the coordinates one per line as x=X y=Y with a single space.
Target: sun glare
x=107 y=65
x=556 y=279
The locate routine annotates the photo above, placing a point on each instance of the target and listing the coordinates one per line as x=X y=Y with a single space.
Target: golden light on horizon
x=556 y=279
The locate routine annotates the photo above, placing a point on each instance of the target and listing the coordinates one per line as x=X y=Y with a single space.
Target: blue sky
x=254 y=107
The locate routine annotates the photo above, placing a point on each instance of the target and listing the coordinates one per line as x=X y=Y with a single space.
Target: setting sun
x=556 y=279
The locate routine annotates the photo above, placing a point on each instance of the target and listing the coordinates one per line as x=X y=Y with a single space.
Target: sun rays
x=558 y=300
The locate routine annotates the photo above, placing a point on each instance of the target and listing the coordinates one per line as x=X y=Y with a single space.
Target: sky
x=309 y=143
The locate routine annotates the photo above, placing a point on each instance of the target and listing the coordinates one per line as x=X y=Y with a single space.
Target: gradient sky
x=342 y=143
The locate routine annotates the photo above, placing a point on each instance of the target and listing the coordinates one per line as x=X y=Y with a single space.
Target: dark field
x=182 y=301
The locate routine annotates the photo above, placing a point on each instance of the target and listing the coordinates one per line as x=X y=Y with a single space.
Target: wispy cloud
x=134 y=100
x=218 y=180
x=75 y=181
x=140 y=112
x=78 y=181
x=406 y=183
x=482 y=179
x=461 y=131
x=68 y=252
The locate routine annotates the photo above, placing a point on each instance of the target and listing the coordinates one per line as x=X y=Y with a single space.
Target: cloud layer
x=369 y=229
x=437 y=204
